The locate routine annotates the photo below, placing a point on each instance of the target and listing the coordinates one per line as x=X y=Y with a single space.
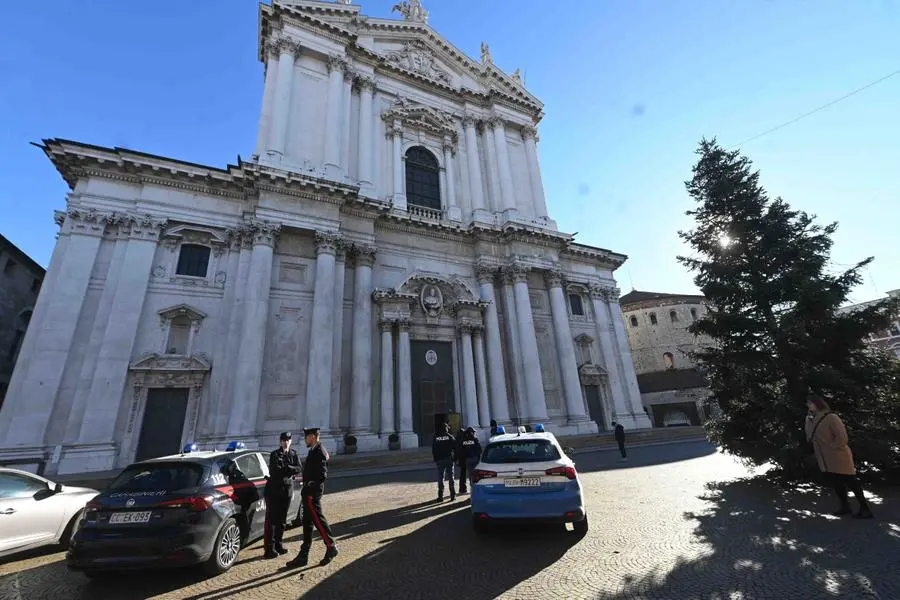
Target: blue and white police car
x=526 y=477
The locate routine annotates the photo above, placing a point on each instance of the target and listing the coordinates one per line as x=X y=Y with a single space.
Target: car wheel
x=479 y=525
x=581 y=527
x=226 y=548
x=66 y=538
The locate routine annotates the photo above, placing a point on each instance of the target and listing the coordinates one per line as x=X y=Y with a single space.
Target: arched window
x=653 y=319
x=673 y=316
x=423 y=187
x=634 y=321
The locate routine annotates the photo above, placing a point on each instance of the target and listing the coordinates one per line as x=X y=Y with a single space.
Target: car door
x=254 y=504
x=29 y=516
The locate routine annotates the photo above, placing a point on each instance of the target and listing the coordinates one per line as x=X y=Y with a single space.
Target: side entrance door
x=595 y=405
x=432 y=386
x=163 y=422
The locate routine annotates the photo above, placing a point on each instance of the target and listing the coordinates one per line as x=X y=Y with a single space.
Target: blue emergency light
x=235 y=445
x=500 y=430
x=539 y=428
x=190 y=447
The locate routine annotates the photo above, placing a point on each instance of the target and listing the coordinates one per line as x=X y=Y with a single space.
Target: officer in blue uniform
x=443 y=450
x=315 y=472
x=283 y=465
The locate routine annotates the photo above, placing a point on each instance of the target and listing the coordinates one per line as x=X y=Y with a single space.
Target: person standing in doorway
x=443 y=448
x=828 y=436
x=315 y=472
x=284 y=464
x=619 y=433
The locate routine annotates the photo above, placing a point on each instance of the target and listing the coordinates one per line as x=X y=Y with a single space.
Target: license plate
x=131 y=517
x=523 y=482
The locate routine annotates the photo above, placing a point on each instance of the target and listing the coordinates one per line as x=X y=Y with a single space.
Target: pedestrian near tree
x=619 y=433
x=826 y=433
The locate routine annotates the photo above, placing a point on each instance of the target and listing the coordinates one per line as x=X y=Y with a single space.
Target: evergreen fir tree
x=774 y=321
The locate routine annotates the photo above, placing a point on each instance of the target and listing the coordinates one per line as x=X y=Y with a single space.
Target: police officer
x=443 y=449
x=619 y=433
x=470 y=451
x=315 y=472
x=283 y=465
x=460 y=437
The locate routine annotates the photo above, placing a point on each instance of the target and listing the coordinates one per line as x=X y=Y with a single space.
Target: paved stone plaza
x=683 y=529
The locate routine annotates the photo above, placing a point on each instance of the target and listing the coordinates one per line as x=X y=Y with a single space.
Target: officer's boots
x=301 y=560
x=330 y=553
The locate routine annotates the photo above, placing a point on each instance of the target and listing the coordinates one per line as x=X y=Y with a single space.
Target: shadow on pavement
x=769 y=541
x=445 y=558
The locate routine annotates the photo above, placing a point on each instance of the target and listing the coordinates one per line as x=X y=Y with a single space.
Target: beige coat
x=830 y=444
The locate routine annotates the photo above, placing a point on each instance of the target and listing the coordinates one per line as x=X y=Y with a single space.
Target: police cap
x=285 y=435
x=311 y=430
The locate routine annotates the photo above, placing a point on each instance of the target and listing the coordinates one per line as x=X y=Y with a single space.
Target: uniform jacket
x=282 y=468
x=830 y=444
x=315 y=469
x=470 y=448
x=443 y=447
x=620 y=433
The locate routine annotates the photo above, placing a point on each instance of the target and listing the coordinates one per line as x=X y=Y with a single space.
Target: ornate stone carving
x=431 y=299
x=485 y=271
x=403 y=324
x=284 y=44
x=448 y=144
x=159 y=272
x=486 y=57
x=412 y=10
x=494 y=120
x=418 y=116
x=327 y=242
x=529 y=132
x=364 y=83
x=336 y=62
x=386 y=325
x=464 y=328
x=597 y=292
x=363 y=256
x=263 y=232
x=415 y=56
x=515 y=272
x=554 y=277
x=220 y=279
x=59 y=217
x=469 y=120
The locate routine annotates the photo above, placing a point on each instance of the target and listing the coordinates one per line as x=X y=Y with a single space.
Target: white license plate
x=131 y=517
x=523 y=482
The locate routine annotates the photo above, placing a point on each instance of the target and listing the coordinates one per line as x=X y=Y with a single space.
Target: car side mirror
x=57 y=488
x=43 y=494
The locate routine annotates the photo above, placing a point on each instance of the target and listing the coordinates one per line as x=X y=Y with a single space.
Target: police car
x=526 y=476
x=189 y=508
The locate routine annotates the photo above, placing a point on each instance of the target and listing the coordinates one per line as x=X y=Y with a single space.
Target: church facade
x=385 y=260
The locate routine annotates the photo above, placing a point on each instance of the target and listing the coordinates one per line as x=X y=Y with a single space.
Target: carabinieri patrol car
x=189 y=508
x=526 y=477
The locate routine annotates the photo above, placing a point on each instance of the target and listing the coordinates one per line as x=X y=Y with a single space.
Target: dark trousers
x=313 y=517
x=462 y=475
x=622 y=448
x=276 y=515
x=445 y=471
x=842 y=483
x=471 y=463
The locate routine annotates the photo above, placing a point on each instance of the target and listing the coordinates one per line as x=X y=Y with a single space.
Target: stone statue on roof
x=486 y=54
x=517 y=76
x=412 y=10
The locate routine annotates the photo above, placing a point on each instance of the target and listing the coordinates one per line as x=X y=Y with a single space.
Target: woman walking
x=828 y=436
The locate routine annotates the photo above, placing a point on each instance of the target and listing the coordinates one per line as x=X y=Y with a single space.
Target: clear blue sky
x=629 y=87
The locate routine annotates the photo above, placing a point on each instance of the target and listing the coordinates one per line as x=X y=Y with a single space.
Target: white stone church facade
x=384 y=259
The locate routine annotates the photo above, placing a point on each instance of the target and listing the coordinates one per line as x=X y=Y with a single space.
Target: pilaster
x=338 y=336
x=484 y=409
x=499 y=399
x=473 y=174
x=335 y=103
x=531 y=364
x=639 y=418
x=387 y=427
x=287 y=51
x=567 y=361
x=470 y=390
x=361 y=390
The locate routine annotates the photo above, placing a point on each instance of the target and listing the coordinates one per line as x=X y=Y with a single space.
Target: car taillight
x=567 y=472
x=93 y=506
x=195 y=503
x=479 y=474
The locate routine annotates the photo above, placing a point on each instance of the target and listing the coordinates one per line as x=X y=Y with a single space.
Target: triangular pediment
x=154 y=362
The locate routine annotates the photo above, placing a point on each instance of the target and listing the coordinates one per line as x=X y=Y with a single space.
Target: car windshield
x=520 y=451
x=158 y=477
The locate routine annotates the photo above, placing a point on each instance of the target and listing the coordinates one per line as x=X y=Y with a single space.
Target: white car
x=37 y=512
x=526 y=477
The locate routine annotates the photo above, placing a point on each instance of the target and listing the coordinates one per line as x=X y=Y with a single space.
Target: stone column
x=453 y=211
x=567 y=361
x=268 y=102
x=395 y=130
x=338 y=339
x=45 y=350
x=499 y=401
x=608 y=353
x=507 y=191
x=387 y=377
x=347 y=99
x=361 y=390
x=514 y=349
x=494 y=201
x=529 y=137
x=404 y=379
x=484 y=409
x=476 y=189
x=366 y=133
x=284 y=82
x=320 y=361
x=531 y=362
x=249 y=364
x=335 y=104
x=629 y=378
x=470 y=401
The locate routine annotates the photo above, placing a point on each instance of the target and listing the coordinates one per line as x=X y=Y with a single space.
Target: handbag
x=809 y=454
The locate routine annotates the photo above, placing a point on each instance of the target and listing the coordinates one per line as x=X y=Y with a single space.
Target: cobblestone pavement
x=686 y=528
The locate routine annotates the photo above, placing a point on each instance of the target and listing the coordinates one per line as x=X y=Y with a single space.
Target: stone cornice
x=608 y=258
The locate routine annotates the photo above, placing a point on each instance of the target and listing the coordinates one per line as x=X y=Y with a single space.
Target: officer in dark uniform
x=315 y=472
x=283 y=465
x=443 y=449
x=470 y=451
x=460 y=437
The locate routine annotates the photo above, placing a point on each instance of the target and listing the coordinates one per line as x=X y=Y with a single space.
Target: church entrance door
x=163 y=422
x=432 y=386
x=595 y=405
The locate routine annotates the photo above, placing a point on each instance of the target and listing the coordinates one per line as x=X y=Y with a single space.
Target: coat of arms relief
x=415 y=56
